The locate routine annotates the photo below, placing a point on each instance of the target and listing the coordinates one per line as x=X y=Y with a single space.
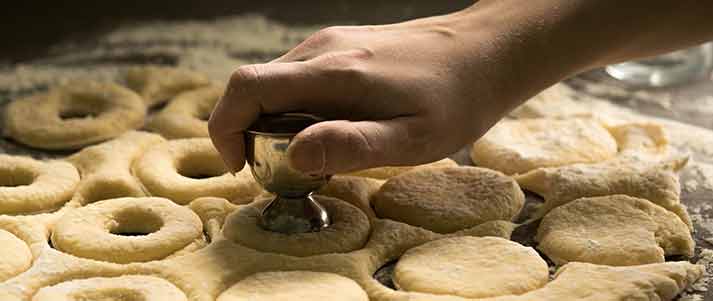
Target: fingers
x=340 y=146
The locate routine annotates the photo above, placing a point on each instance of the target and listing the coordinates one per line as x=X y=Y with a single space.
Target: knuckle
x=245 y=75
x=324 y=36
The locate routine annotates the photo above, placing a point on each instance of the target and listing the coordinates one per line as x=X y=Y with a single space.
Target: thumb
x=340 y=146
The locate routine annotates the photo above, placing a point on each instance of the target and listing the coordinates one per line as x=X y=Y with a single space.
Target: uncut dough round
x=124 y=288
x=348 y=231
x=159 y=84
x=517 y=146
x=166 y=170
x=111 y=109
x=16 y=256
x=386 y=172
x=32 y=186
x=448 y=199
x=294 y=286
x=87 y=231
x=613 y=230
x=471 y=267
x=186 y=116
x=354 y=190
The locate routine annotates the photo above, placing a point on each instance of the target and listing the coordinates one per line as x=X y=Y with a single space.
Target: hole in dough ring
x=109 y=111
x=448 y=199
x=348 y=232
x=295 y=286
x=186 y=115
x=32 y=186
x=125 y=288
x=16 y=256
x=471 y=267
x=98 y=230
x=185 y=169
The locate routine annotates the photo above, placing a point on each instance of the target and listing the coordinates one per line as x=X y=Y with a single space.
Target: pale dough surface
x=471 y=267
x=354 y=190
x=613 y=230
x=295 y=286
x=186 y=116
x=160 y=84
x=123 y=288
x=518 y=146
x=348 y=231
x=446 y=199
x=33 y=186
x=16 y=256
x=185 y=169
x=387 y=172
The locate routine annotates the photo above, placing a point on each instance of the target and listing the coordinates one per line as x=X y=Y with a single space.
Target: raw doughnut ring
x=159 y=84
x=132 y=287
x=177 y=169
x=89 y=231
x=349 y=231
x=32 y=186
x=16 y=256
x=295 y=286
x=74 y=115
x=186 y=115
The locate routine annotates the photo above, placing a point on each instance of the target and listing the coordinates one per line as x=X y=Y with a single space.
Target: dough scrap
x=471 y=267
x=295 y=286
x=613 y=230
x=159 y=84
x=349 y=230
x=448 y=199
x=177 y=170
x=354 y=190
x=106 y=167
x=106 y=111
x=165 y=228
x=125 y=288
x=518 y=146
x=33 y=186
x=654 y=181
x=186 y=116
x=386 y=172
x=16 y=256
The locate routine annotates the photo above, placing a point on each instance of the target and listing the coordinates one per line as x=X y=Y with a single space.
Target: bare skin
x=414 y=92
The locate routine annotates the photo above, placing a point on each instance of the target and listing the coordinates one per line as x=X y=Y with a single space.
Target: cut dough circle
x=186 y=116
x=387 y=172
x=448 y=199
x=125 y=288
x=177 y=170
x=94 y=231
x=106 y=167
x=613 y=230
x=348 y=231
x=159 y=84
x=32 y=186
x=471 y=267
x=354 y=190
x=16 y=256
x=295 y=286
x=74 y=115
x=517 y=146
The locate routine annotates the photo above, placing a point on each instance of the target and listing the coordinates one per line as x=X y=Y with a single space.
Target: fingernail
x=307 y=156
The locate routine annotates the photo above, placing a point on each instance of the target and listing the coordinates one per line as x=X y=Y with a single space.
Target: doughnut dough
x=16 y=256
x=186 y=116
x=106 y=167
x=123 y=288
x=354 y=190
x=471 y=267
x=74 y=115
x=159 y=84
x=555 y=101
x=31 y=186
x=185 y=169
x=95 y=231
x=613 y=230
x=448 y=199
x=349 y=230
x=517 y=146
x=295 y=286
x=654 y=181
x=387 y=172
